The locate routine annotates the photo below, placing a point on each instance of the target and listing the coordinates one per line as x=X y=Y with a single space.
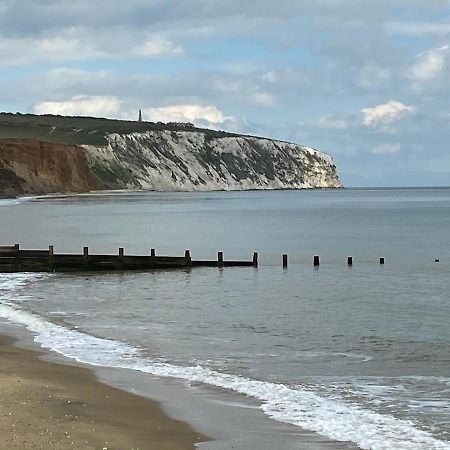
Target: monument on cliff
x=140 y=116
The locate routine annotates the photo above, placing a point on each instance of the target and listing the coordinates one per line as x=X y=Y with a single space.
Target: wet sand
x=44 y=405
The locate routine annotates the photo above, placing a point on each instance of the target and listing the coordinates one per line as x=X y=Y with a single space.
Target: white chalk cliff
x=165 y=160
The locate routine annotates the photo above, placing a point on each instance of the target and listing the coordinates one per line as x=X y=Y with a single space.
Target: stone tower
x=140 y=116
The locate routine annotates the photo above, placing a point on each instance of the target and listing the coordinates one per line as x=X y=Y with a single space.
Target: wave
x=16 y=200
x=333 y=418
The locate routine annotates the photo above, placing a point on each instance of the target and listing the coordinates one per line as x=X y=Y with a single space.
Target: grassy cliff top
x=80 y=130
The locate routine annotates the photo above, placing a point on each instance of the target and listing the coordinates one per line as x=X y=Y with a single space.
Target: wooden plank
x=7 y=259
x=238 y=264
x=33 y=253
x=5 y=248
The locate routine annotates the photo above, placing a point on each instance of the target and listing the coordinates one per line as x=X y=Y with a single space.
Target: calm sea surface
x=358 y=354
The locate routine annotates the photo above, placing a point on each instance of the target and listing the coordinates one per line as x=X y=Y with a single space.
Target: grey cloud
x=38 y=16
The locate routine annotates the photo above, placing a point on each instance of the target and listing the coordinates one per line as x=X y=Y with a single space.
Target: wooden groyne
x=14 y=259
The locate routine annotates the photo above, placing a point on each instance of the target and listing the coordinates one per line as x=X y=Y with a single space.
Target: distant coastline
x=46 y=154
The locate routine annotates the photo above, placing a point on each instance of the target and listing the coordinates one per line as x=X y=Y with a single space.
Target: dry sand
x=45 y=405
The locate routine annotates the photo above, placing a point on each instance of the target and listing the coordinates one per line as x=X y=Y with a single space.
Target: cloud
x=386 y=113
x=156 y=46
x=76 y=44
x=331 y=121
x=185 y=113
x=419 y=28
x=22 y=51
x=102 y=106
x=386 y=149
x=263 y=98
x=373 y=75
x=270 y=77
x=428 y=66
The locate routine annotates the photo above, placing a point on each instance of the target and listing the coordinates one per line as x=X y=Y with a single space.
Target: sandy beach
x=44 y=405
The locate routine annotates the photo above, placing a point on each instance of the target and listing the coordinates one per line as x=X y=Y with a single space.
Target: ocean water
x=359 y=354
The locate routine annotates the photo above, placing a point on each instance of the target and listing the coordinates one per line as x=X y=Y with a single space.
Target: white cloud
x=73 y=44
x=373 y=75
x=386 y=113
x=428 y=66
x=227 y=86
x=156 y=46
x=25 y=51
x=81 y=105
x=386 y=149
x=263 y=98
x=57 y=47
x=185 y=113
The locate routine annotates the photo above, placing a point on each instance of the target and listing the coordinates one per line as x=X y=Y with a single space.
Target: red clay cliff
x=33 y=167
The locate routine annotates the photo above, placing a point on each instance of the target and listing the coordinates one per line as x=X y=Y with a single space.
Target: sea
x=357 y=354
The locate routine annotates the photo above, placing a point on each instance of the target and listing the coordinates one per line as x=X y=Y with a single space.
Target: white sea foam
x=333 y=418
x=9 y=201
x=15 y=201
x=10 y=282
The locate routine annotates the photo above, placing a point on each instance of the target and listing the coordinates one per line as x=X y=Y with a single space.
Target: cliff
x=42 y=154
x=192 y=160
x=31 y=167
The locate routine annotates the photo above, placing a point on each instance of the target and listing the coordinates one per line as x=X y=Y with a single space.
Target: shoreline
x=99 y=192
x=98 y=404
x=48 y=405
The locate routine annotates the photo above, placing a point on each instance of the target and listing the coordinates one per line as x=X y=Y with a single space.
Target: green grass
x=80 y=130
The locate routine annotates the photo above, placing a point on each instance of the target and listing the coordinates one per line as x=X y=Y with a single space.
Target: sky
x=367 y=81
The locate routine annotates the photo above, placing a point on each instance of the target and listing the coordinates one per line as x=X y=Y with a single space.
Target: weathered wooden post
x=86 y=255
x=255 y=259
x=51 y=259
x=285 y=261
x=220 y=259
x=17 y=257
x=153 y=257
x=350 y=260
x=187 y=255
x=120 y=257
x=381 y=261
x=316 y=261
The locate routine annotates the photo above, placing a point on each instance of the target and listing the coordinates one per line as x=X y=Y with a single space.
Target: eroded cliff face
x=191 y=160
x=162 y=160
x=32 y=167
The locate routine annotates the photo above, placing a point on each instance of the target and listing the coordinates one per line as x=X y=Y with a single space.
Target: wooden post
x=255 y=259
x=153 y=257
x=119 y=264
x=381 y=261
x=220 y=259
x=350 y=260
x=316 y=262
x=86 y=254
x=17 y=257
x=51 y=259
x=285 y=261
x=187 y=255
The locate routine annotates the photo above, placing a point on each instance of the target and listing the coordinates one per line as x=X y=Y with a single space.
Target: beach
x=329 y=357
x=45 y=405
